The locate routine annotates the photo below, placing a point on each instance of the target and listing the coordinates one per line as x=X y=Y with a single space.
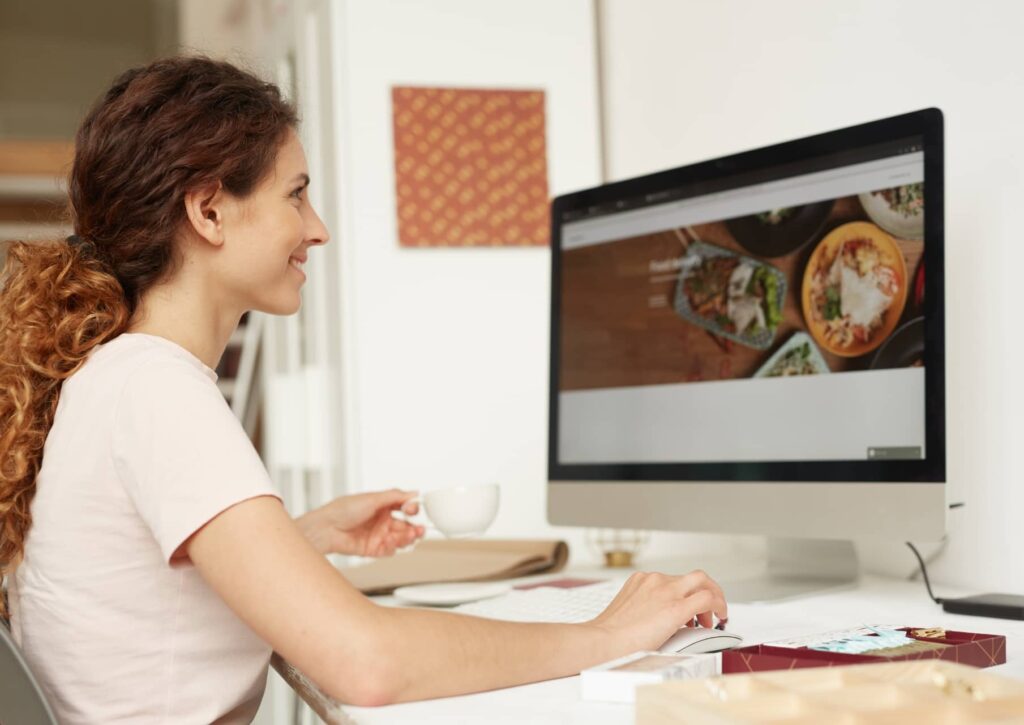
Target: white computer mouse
x=700 y=640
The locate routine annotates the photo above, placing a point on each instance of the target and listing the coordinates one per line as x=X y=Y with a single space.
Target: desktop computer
x=754 y=344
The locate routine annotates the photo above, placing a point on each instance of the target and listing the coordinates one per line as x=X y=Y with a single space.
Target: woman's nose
x=318 y=233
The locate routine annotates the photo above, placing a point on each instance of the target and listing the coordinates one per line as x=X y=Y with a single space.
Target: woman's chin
x=283 y=306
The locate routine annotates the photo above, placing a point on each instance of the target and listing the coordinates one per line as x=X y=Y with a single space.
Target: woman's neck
x=187 y=317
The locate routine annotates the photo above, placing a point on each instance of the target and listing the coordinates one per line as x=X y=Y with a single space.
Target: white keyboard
x=547 y=604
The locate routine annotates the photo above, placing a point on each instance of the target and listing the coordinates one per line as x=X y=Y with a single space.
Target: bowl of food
x=796 y=356
x=898 y=210
x=730 y=294
x=854 y=289
x=776 y=232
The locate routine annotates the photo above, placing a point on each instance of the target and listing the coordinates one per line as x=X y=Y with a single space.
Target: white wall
x=447 y=363
x=448 y=348
x=686 y=81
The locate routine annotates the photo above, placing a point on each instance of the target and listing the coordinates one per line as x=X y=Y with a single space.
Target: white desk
x=874 y=601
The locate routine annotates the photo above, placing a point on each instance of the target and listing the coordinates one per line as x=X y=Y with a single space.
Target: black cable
x=924 y=573
x=920 y=560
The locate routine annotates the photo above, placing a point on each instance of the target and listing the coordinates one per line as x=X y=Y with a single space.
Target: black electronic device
x=1001 y=606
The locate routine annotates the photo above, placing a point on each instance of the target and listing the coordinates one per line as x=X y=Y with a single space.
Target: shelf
x=27 y=231
x=13 y=186
x=30 y=158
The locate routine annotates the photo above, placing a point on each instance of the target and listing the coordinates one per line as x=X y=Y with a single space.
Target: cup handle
x=407 y=518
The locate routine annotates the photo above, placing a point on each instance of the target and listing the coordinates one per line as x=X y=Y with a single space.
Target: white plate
x=451 y=593
x=902 y=227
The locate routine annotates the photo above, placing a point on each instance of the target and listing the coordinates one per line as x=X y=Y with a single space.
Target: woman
x=151 y=565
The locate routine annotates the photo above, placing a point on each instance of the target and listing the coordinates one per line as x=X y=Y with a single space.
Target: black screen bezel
x=926 y=123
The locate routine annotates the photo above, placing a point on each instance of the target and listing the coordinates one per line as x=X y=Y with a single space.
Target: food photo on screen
x=732 y=299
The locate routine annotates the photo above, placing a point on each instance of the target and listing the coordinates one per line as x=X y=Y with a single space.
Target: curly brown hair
x=158 y=132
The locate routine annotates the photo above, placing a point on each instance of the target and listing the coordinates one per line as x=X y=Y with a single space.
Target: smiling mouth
x=297 y=263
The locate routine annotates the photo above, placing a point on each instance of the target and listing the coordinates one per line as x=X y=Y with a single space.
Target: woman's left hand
x=362 y=524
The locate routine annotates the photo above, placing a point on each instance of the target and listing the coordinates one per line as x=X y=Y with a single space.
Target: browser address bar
x=804 y=189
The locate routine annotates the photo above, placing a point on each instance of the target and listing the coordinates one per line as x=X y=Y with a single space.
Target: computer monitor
x=754 y=344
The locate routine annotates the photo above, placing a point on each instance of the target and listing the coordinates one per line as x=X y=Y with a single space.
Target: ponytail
x=57 y=302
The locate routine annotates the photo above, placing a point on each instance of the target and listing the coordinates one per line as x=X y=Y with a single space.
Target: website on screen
x=775 y=321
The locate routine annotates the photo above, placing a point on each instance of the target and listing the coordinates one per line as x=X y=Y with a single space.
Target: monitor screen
x=770 y=315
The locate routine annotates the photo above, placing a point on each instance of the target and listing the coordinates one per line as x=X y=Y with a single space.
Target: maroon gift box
x=967 y=648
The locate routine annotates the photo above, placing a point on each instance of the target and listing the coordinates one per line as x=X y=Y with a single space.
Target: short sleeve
x=180 y=453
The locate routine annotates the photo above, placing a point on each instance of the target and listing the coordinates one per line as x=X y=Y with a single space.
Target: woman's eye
x=297 y=194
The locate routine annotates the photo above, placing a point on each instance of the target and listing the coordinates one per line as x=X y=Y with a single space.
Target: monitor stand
x=798 y=568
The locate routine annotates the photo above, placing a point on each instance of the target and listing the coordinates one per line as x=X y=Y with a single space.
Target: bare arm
x=256 y=558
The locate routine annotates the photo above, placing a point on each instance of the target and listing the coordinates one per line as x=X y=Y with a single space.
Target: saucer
x=450 y=593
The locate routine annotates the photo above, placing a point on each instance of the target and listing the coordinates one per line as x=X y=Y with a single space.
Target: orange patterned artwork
x=470 y=167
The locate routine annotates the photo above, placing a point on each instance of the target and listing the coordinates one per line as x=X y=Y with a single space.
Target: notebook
x=454 y=560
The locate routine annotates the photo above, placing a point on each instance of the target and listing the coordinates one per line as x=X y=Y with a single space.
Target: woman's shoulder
x=129 y=353
x=148 y=369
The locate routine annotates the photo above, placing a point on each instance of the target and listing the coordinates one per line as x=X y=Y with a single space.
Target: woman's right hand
x=651 y=607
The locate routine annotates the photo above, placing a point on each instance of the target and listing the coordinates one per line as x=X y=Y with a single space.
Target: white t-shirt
x=143 y=452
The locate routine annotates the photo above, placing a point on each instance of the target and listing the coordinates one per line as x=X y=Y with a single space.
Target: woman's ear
x=205 y=206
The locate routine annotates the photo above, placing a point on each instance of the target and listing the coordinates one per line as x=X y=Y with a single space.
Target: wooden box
x=893 y=693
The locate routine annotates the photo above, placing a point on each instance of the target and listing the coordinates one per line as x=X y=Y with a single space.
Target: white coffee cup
x=462 y=510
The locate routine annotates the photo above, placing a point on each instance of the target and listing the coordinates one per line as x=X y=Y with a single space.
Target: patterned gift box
x=968 y=648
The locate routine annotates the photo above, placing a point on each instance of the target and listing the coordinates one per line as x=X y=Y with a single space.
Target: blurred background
x=427 y=367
